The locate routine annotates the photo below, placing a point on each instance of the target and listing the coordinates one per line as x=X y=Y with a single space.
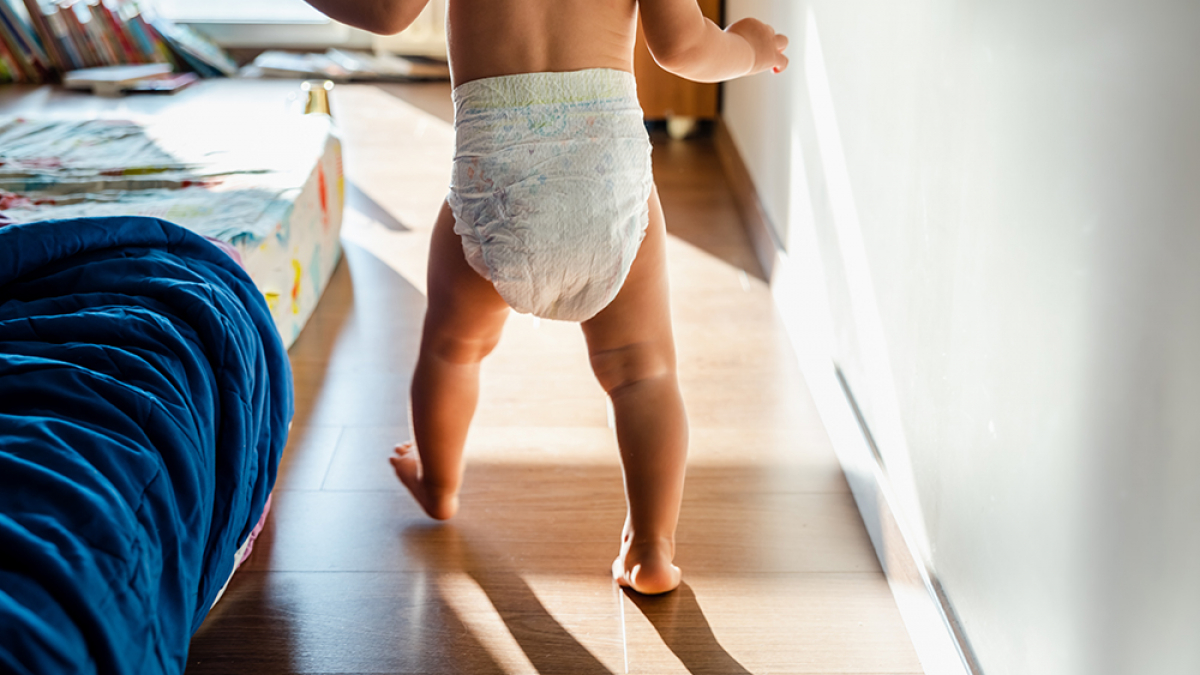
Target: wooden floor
x=349 y=577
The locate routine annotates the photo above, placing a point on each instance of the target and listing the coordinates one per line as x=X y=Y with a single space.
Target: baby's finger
x=781 y=42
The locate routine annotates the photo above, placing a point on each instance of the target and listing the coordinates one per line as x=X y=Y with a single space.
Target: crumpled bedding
x=145 y=397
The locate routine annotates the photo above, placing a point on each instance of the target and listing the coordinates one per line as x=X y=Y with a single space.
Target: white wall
x=1003 y=198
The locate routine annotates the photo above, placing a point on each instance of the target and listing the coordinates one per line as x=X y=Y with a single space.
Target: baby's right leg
x=463 y=321
x=633 y=355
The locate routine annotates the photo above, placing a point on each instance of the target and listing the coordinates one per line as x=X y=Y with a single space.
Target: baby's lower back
x=505 y=37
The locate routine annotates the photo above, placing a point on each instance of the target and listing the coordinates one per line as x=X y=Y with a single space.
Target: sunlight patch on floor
x=466 y=599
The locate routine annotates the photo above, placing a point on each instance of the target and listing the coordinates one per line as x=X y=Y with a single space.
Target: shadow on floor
x=279 y=623
x=697 y=201
x=683 y=628
x=547 y=644
x=360 y=201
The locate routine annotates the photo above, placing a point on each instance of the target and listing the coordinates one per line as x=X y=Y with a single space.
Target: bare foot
x=439 y=503
x=645 y=566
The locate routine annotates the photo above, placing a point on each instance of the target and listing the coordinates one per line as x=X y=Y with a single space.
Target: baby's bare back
x=504 y=37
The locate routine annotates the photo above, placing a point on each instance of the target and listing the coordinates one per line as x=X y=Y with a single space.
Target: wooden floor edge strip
x=937 y=637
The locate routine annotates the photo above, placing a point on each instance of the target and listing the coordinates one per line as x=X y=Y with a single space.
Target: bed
x=145 y=397
x=152 y=275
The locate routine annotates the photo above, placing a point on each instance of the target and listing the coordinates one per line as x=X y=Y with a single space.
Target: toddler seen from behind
x=553 y=211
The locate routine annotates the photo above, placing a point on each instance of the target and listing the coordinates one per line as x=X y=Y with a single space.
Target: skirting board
x=798 y=288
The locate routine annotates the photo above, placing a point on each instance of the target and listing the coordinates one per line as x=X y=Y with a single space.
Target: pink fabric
x=261 y=521
x=231 y=251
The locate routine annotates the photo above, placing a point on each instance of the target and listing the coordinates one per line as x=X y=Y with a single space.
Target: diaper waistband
x=530 y=89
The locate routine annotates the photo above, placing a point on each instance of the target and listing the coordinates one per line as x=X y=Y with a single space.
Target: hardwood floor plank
x=306 y=458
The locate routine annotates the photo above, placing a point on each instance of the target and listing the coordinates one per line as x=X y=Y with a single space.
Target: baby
x=552 y=210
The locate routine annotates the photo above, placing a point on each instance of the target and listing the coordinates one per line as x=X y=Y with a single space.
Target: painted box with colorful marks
x=273 y=189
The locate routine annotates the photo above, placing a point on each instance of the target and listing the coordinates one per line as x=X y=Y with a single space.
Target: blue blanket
x=144 y=403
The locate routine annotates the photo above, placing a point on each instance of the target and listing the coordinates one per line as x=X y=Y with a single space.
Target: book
x=21 y=44
x=58 y=27
x=20 y=24
x=195 y=49
x=346 y=66
x=79 y=36
x=109 y=52
x=120 y=35
x=37 y=18
x=9 y=71
x=161 y=46
x=111 y=80
x=287 y=64
x=148 y=42
x=385 y=66
x=42 y=39
x=23 y=69
x=163 y=84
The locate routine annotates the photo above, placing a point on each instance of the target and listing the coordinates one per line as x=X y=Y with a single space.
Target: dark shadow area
x=683 y=628
x=234 y=638
x=314 y=342
x=278 y=623
x=360 y=201
x=362 y=316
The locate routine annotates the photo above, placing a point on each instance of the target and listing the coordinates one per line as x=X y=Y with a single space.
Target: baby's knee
x=619 y=368
x=457 y=349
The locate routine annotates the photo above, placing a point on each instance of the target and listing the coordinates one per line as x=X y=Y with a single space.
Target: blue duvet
x=144 y=403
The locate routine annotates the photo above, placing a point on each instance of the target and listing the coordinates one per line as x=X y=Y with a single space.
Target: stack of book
x=40 y=40
x=347 y=66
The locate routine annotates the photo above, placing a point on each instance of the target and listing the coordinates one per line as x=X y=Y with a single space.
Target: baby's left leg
x=632 y=348
x=462 y=325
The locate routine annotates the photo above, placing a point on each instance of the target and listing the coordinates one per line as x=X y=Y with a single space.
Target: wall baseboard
x=745 y=196
x=797 y=290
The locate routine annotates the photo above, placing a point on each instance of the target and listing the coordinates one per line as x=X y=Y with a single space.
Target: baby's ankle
x=441 y=502
x=647 y=565
x=660 y=548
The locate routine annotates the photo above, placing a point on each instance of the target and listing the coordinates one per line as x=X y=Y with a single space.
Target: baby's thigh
x=640 y=314
x=463 y=306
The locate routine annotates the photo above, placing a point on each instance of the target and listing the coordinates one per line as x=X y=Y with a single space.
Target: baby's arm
x=685 y=42
x=377 y=16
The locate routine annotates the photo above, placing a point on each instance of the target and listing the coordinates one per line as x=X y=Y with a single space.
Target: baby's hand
x=768 y=45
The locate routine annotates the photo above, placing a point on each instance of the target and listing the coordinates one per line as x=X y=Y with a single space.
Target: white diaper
x=550 y=186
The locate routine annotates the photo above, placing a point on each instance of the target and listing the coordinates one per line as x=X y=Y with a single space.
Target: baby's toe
x=407 y=467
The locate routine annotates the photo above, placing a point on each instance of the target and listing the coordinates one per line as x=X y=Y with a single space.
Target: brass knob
x=317 y=96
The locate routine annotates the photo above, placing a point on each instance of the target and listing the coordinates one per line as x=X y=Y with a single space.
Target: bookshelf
x=40 y=40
